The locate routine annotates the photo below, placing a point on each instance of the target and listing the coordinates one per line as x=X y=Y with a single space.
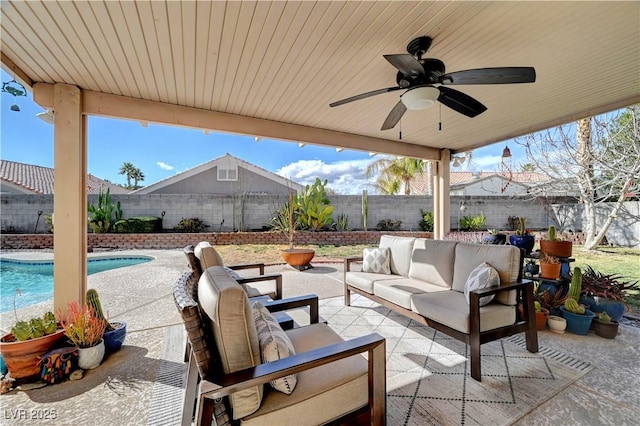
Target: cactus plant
x=365 y=209
x=552 y=233
x=93 y=300
x=576 y=284
x=604 y=318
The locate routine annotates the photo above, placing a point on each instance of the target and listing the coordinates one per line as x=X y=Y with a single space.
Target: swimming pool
x=35 y=278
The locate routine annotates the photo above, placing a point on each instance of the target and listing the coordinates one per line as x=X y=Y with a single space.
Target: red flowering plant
x=81 y=325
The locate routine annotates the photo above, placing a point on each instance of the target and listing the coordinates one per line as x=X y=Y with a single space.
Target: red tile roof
x=39 y=179
x=422 y=183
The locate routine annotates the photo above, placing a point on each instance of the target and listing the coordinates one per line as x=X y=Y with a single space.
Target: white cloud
x=344 y=177
x=164 y=166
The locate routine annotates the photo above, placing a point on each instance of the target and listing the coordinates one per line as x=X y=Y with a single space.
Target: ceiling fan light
x=420 y=97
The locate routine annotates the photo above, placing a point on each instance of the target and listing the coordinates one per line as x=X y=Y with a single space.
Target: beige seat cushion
x=364 y=280
x=451 y=309
x=401 y=248
x=504 y=259
x=323 y=393
x=227 y=309
x=432 y=261
x=401 y=290
x=207 y=255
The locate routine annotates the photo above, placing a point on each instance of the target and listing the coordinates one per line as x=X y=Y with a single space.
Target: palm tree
x=129 y=170
x=395 y=174
x=137 y=176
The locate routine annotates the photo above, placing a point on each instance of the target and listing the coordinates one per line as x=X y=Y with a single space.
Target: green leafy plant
x=426 y=223
x=609 y=286
x=191 y=225
x=473 y=223
x=285 y=220
x=312 y=209
x=342 y=223
x=35 y=327
x=81 y=325
x=102 y=213
x=139 y=224
x=389 y=225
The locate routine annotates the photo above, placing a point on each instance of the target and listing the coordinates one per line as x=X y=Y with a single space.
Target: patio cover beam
x=114 y=106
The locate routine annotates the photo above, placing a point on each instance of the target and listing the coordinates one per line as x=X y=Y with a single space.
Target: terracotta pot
x=22 y=357
x=556 y=248
x=541 y=318
x=550 y=270
x=298 y=258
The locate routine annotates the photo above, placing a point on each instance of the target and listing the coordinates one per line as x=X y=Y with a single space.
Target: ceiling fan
x=419 y=78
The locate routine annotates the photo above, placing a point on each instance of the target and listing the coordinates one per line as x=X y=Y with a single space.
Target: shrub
x=342 y=224
x=191 y=225
x=472 y=223
x=426 y=224
x=138 y=225
x=389 y=225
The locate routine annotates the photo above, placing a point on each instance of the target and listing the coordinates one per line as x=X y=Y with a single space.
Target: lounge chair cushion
x=401 y=248
x=323 y=393
x=227 y=309
x=431 y=261
x=376 y=260
x=274 y=345
x=207 y=255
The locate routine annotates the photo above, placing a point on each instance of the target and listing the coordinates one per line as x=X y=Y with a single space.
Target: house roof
x=39 y=180
x=271 y=68
x=421 y=184
x=223 y=160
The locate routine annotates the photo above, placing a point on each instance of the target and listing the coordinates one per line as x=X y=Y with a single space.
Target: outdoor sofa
x=425 y=280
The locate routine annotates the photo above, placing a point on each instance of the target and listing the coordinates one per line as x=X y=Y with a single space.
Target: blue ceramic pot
x=525 y=242
x=614 y=308
x=576 y=323
x=114 y=339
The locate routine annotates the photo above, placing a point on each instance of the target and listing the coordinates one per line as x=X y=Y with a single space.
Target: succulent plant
x=35 y=327
x=609 y=286
x=576 y=284
x=93 y=300
x=604 y=318
x=552 y=233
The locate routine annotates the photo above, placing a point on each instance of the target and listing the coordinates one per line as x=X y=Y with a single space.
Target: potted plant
x=554 y=246
x=29 y=340
x=523 y=238
x=549 y=266
x=604 y=326
x=286 y=221
x=578 y=317
x=84 y=330
x=541 y=315
x=606 y=292
x=553 y=300
x=494 y=236
x=531 y=268
x=115 y=331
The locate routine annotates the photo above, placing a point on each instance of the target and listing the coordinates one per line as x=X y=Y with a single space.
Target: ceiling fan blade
x=460 y=102
x=364 y=95
x=394 y=116
x=506 y=75
x=406 y=64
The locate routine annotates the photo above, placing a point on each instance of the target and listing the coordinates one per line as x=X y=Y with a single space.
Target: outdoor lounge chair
x=334 y=383
x=205 y=255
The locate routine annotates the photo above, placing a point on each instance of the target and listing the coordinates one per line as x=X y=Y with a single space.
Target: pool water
x=35 y=279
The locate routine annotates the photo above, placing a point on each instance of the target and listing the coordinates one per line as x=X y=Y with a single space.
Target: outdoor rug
x=428 y=373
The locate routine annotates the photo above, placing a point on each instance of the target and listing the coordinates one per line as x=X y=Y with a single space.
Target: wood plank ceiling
x=286 y=61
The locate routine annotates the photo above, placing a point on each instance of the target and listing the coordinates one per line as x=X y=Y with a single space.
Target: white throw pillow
x=376 y=260
x=274 y=345
x=482 y=276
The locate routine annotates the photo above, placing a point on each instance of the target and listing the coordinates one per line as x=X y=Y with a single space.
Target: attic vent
x=228 y=173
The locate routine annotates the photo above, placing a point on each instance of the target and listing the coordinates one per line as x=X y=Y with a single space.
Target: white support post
x=70 y=197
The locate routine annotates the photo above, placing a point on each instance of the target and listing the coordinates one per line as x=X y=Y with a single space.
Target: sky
x=163 y=151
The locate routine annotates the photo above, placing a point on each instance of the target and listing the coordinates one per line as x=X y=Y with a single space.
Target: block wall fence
x=25 y=214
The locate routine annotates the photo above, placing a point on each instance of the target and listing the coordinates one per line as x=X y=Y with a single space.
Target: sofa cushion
x=432 y=261
x=365 y=280
x=274 y=345
x=401 y=290
x=207 y=255
x=227 y=309
x=376 y=260
x=322 y=393
x=451 y=309
x=482 y=276
x=401 y=248
x=504 y=259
